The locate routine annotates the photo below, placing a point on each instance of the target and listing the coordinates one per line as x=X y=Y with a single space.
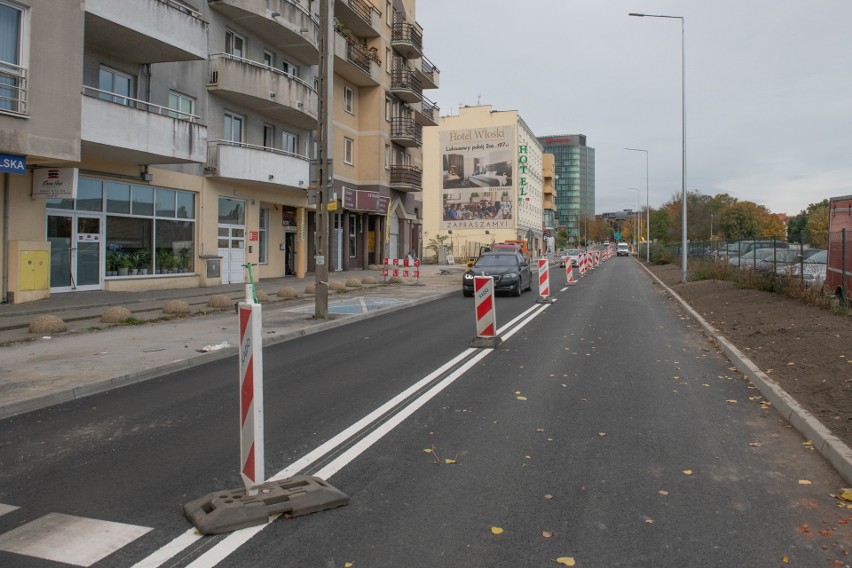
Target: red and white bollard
x=543 y=278
x=486 y=318
x=597 y=258
x=251 y=393
x=569 y=272
x=581 y=264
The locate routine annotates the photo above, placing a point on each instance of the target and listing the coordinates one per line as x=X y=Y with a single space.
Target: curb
x=76 y=393
x=838 y=454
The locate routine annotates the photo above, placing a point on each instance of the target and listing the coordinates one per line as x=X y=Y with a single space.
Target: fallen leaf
x=496 y=530
x=687 y=472
x=348 y=565
x=807 y=443
x=769 y=371
x=732 y=401
x=754 y=444
x=517 y=392
x=601 y=434
x=548 y=496
x=790 y=364
x=649 y=520
x=539 y=429
x=547 y=534
x=846 y=494
x=521 y=398
x=785 y=560
x=705 y=385
x=804 y=482
x=566 y=561
x=427 y=450
x=663 y=493
x=448 y=461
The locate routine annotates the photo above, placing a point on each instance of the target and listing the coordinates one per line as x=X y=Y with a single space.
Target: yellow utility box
x=29 y=271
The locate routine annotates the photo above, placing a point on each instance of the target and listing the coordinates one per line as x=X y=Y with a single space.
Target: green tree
x=743 y=220
x=816 y=229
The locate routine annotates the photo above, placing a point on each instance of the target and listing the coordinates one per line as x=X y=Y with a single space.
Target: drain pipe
x=5 y=238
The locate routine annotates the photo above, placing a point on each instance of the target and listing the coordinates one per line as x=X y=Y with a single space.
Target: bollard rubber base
x=486 y=342
x=230 y=510
x=546 y=301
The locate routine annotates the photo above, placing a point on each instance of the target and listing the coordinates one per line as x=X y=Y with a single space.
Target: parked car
x=570 y=255
x=511 y=272
x=749 y=259
x=813 y=267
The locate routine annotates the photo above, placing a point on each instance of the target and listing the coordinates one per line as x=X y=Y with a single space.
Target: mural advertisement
x=477 y=181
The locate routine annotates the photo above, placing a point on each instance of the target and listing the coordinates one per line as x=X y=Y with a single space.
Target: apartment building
x=483 y=179
x=549 y=193
x=167 y=143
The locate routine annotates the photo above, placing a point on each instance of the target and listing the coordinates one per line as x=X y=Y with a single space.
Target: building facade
x=167 y=143
x=483 y=180
x=574 y=169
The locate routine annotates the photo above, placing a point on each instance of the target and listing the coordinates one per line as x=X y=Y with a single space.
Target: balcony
x=355 y=63
x=406 y=178
x=245 y=162
x=430 y=76
x=118 y=127
x=359 y=16
x=13 y=89
x=262 y=89
x=426 y=113
x=406 y=132
x=407 y=40
x=406 y=85
x=281 y=24
x=146 y=31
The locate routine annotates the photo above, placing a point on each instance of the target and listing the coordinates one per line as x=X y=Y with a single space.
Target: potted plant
x=164 y=261
x=184 y=259
x=143 y=261
x=111 y=263
x=124 y=262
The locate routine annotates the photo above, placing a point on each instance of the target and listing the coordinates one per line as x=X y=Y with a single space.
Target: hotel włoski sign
x=55 y=183
x=477 y=178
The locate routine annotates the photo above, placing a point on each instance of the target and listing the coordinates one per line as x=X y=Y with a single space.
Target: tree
x=743 y=220
x=817 y=226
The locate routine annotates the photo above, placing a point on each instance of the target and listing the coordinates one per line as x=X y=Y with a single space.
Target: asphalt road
x=602 y=429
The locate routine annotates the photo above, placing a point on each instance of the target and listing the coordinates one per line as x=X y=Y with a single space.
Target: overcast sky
x=768 y=89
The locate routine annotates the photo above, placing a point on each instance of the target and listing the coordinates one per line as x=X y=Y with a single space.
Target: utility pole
x=325 y=178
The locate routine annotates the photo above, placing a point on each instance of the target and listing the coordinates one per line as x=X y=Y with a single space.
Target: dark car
x=510 y=271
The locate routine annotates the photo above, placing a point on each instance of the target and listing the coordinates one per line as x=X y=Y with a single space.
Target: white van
x=622 y=249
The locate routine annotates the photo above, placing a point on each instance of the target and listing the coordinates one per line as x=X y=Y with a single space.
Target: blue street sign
x=12 y=164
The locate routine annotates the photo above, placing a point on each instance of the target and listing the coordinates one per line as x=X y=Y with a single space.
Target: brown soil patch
x=805 y=349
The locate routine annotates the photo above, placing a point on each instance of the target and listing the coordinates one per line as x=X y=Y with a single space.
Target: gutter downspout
x=5 y=285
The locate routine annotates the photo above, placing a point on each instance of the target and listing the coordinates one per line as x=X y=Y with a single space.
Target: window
x=233 y=127
x=12 y=93
x=268 y=136
x=263 y=236
x=234 y=44
x=348 y=151
x=290 y=142
x=388 y=109
x=388 y=13
x=113 y=81
x=388 y=62
x=387 y=156
x=268 y=58
x=353 y=235
x=183 y=106
x=289 y=68
x=348 y=100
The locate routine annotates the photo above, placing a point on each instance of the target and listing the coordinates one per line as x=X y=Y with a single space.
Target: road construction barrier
x=543 y=278
x=251 y=392
x=486 y=319
x=581 y=264
x=402 y=267
x=569 y=272
x=597 y=258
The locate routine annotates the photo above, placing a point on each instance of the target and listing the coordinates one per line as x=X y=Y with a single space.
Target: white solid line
x=229 y=544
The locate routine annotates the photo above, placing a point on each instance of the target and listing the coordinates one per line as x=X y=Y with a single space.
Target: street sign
x=13 y=164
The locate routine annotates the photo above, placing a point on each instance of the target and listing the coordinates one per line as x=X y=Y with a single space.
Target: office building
x=574 y=169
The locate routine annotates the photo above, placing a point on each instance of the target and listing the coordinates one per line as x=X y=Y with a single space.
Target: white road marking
x=233 y=541
x=6 y=509
x=69 y=539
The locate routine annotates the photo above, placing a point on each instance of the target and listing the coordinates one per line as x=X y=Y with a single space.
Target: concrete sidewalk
x=92 y=357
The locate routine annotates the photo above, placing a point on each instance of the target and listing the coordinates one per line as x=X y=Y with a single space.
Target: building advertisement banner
x=477 y=181
x=55 y=183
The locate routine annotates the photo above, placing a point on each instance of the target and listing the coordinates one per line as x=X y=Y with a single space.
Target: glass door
x=75 y=252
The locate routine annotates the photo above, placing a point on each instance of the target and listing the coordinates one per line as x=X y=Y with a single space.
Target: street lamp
x=647 y=207
x=638 y=218
x=684 y=276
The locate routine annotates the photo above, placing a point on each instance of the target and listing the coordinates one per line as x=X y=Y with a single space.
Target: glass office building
x=574 y=168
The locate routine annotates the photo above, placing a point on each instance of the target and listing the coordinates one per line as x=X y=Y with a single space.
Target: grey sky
x=768 y=89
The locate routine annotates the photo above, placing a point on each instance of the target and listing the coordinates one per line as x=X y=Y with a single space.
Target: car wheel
x=529 y=284
x=517 y=291
x=467 y=293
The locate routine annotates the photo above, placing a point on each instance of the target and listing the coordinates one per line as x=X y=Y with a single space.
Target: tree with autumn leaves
x=721 y=217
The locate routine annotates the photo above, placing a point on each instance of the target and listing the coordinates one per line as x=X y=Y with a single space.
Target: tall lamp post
x=647 y=207
x=684 y=275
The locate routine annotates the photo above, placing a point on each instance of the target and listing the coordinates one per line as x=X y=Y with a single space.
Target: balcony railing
x=213 y=163
x=430 y=110
x=13 y=88
x=406 y=85
x=430 y=72
x=361 y=8
x=138 y=104
x=407 y=39
x=357 y=54
x=406 y=131
x=405 y=177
